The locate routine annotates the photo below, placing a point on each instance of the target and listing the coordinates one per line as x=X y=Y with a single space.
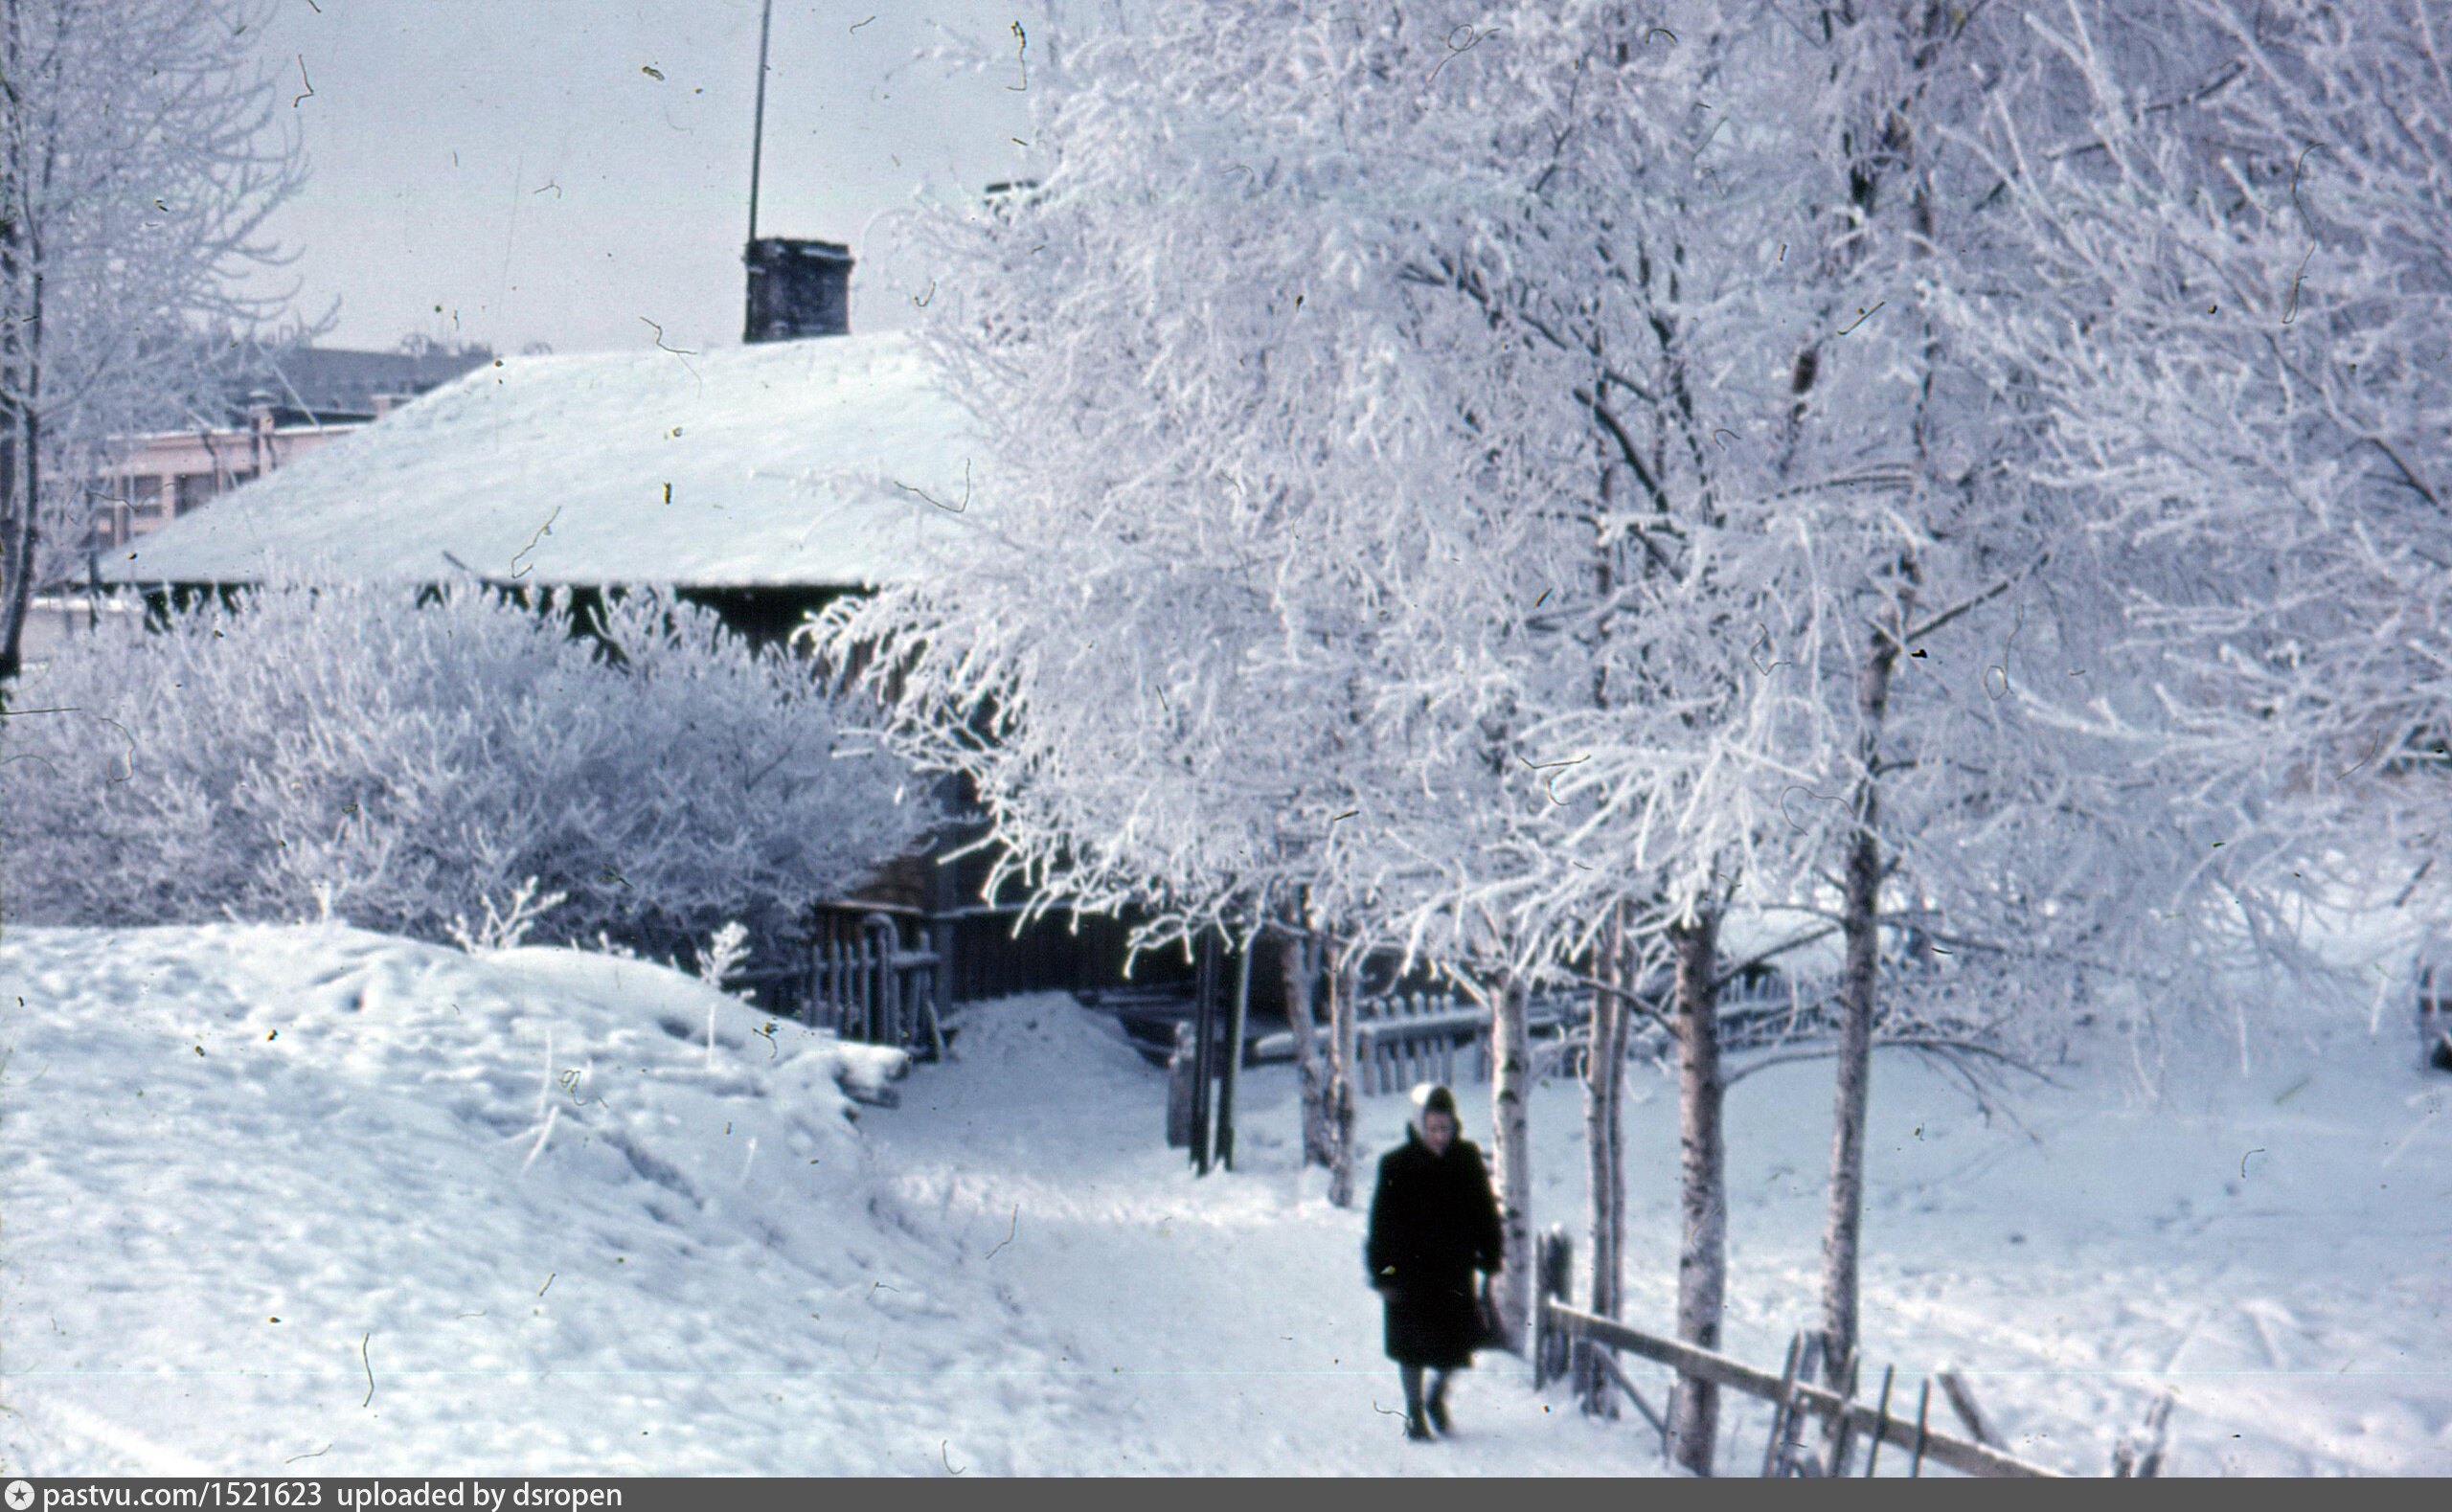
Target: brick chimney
x=798 y=288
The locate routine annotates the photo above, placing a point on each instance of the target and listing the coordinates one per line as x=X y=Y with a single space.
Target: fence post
x=878 y=938
x=898 y=988
x=830 y=981
x=940 y=982
x=1203 y=1015
x=1237 y=1024
x=867 y=975
x=846 y=986
x=945 y=895
x=1553 y=1260
x=848 y=992
x=890 y=988
x=1180 y=1071
x=936 y=1021
x=898 y=985
x=811 y=984
x=910 y=985
x=825 y=983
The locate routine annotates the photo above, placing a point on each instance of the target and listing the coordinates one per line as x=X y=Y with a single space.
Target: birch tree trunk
x=1897 y=155
x=1340 y=1108
x=1860 y=905
x=20 y=532
x=20 y=377
x=1300 y=966
x=1702 y=1254
x=1860 y=928
x=1605 y=1082
x=1511 y=1151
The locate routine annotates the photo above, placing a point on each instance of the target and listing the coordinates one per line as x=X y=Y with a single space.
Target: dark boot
x=1417 y=1427
x=1438 y=1405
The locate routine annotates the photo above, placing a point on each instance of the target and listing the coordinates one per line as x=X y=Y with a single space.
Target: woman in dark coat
x=1433 y=1223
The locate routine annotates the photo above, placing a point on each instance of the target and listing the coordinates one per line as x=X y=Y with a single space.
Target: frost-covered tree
x=1703 y=250
x=1497 y=464
x=1353 y=372
x=2048 y=738
x=1219 y=415
x=139 y=158
x=2249 y=203
x=1918 y=802
x=1791 y=628
x=344 y=750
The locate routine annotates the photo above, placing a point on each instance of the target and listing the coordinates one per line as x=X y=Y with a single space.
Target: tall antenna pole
x=757 y=136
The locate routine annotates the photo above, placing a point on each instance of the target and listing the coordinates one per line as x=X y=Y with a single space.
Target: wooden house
x=762 y=480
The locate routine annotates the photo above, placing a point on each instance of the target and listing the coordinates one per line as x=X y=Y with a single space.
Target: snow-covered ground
x=320 y=1201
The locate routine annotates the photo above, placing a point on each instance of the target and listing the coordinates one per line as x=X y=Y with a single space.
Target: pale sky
x=515 y=163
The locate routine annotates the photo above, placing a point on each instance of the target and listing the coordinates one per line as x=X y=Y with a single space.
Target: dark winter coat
x=1433 y=1223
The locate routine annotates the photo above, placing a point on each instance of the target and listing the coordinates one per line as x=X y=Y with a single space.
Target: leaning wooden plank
x=1616 y=1373
x=1959 y=1454
x=1781 y=1406
x=1808 y=1364
x=1963 y=1402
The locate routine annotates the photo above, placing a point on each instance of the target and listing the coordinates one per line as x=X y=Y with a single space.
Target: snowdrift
x=324 y=1199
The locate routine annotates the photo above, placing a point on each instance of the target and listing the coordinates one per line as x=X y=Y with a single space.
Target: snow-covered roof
x=787 y=464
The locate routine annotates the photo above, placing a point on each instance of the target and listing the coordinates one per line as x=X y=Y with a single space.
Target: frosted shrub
x=506 y=929
x=722 y=955
x=351 y=752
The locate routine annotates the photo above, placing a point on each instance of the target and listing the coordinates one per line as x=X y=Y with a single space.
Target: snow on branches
x=141 y=154
x=2246 y=209
x=343 y=750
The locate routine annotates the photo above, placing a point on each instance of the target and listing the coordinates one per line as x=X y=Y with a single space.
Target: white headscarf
x=1420 y=1095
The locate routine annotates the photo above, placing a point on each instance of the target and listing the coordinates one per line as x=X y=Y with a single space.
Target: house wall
x=163 y=476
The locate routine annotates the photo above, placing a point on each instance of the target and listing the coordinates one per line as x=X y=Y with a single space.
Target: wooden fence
x=1793 y=1398
x=1418 y=1036
x=990 y=958
x=1404 y=1038
x=876 y=976
x=888 y=973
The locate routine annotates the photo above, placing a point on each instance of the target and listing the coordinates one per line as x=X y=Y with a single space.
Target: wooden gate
x=861 y=977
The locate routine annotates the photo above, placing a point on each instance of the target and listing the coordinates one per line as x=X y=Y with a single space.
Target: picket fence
x=876 y=977
x=1404 y=1039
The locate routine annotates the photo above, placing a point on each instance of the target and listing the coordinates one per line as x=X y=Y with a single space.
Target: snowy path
x=2299 y=1307
x=1219 y=1325
x=323 y=1201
